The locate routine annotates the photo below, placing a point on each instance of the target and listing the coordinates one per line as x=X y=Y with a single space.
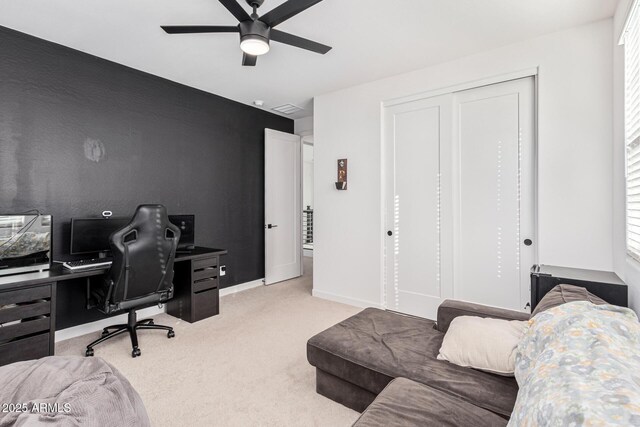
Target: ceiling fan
x=257 y=31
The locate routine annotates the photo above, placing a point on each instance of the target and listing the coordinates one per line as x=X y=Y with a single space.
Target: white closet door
x=417 y=136
x=494 y=194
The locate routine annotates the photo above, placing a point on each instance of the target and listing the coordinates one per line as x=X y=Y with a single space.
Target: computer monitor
x=25 y=243
x=91 y=235
x=186 y=224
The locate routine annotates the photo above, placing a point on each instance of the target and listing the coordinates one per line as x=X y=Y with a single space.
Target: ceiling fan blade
x=286 y=10
x=249 y=60
x=302 y=43
x=194 y=29
x=236 y=10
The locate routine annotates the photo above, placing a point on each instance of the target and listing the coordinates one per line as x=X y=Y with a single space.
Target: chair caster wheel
x=89 y=352
x=171 y=334
x=136 y=352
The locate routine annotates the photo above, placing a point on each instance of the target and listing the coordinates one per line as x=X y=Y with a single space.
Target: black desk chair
x=141 y=273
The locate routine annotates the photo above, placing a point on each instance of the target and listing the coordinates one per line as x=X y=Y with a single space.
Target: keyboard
x=88 y=264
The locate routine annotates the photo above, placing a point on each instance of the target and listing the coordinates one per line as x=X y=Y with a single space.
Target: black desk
x=32 y=336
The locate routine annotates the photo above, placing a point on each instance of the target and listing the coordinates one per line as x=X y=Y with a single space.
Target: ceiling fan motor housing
x=254 y=30
x=256 y=3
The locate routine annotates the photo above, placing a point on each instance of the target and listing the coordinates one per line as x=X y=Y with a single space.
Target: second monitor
x=91 y=235
x=186 y=224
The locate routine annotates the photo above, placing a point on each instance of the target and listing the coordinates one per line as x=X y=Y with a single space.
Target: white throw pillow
x=483 y=343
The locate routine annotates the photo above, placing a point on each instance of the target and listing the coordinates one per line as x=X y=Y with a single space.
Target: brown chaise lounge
x=357 y=358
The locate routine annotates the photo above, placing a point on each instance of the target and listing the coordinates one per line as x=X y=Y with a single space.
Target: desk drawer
x=25 y=311
x=29 y=348
x=28 y=327
x=205 y=284
x=25 y=295
x=201 y=263
x=205 y=273
x=205 y=304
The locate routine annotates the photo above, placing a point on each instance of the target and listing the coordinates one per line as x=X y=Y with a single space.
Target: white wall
x=303 y=126
x=627 y=268
x=307 y=175
x=575 y=157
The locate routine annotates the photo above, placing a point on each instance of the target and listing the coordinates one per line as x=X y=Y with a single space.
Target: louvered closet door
x=417 y=139
x=494 y=234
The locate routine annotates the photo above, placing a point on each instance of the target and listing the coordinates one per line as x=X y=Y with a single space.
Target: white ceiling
x=371 y=39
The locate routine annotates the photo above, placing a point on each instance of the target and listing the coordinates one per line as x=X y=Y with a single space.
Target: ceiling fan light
x=254 y=45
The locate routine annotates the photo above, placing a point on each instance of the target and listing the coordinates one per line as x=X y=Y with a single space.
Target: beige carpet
x=245 y=367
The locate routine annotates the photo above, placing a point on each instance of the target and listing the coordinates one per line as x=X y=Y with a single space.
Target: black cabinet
x=27 y=323
x=196 y=289
x=604 y=284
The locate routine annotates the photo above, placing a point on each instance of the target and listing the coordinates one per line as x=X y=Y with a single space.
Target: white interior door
x=494 y=189
x=418 y=211
x=283 y=206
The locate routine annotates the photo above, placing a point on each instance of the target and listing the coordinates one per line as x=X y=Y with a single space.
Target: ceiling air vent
x=287 y=109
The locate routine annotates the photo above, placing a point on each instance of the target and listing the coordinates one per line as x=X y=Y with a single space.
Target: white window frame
x=631 y=41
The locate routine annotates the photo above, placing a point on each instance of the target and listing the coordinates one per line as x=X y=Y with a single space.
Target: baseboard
x=345 y=300
x=241 y=287
x=87 y=328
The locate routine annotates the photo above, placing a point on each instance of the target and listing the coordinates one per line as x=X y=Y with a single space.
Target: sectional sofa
x=361 y=357
x=384 y=364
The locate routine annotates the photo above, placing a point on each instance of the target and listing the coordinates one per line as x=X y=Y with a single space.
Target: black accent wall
x=80 y=135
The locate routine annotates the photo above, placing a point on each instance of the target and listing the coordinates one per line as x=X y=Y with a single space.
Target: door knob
x=270 y=226
x=528 y=242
